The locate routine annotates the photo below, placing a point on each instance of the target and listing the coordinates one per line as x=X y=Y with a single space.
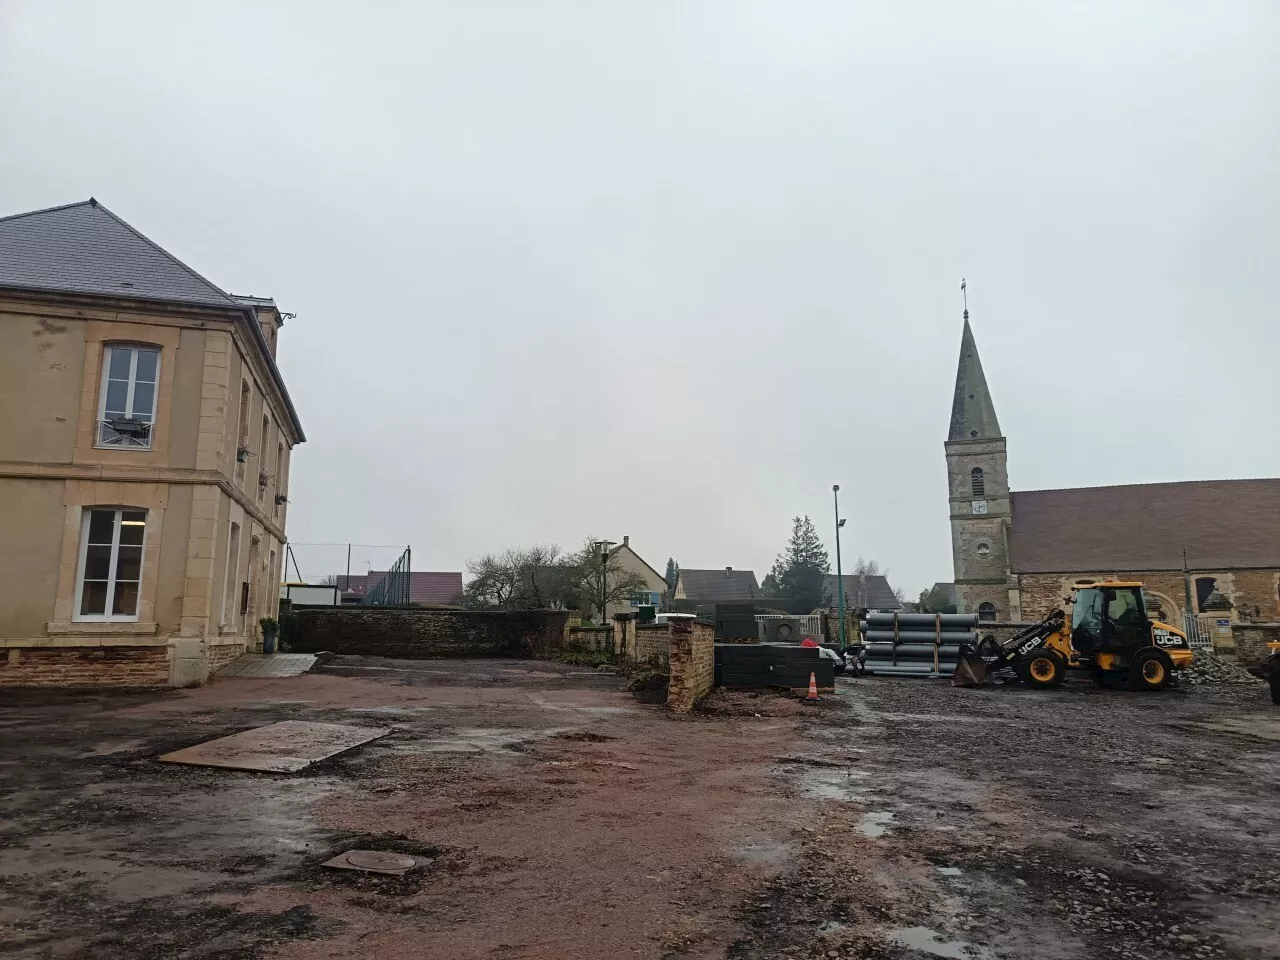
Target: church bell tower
x=978 y=481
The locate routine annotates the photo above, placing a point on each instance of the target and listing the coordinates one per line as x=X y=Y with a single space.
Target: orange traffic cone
x=813 y=689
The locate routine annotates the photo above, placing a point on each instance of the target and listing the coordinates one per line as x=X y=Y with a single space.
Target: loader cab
x=1109 y=618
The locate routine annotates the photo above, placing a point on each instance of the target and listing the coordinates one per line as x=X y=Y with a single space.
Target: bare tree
x=495 y=579
x=601 y=578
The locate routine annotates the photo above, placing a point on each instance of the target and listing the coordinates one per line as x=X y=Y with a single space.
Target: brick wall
x=653 y=643
x=85 y=667
x=1251 y=641
x=692 y=663
x=423 y=633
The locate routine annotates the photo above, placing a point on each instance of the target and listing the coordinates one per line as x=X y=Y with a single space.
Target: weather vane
x=964 y=293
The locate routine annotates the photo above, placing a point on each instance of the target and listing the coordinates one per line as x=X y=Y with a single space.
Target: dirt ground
x=563 y=818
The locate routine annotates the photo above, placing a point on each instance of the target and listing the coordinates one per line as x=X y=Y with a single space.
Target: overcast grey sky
x=671 y=269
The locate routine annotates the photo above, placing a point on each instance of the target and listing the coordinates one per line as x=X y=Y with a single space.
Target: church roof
x=1222 y=525
x=973 y=415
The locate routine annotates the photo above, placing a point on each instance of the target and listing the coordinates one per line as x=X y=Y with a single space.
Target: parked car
x=665 y=618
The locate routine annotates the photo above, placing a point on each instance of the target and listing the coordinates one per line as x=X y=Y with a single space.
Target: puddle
x=950 y=871
x=931 y=942
x=825 y=784
x=876 y=824
x=763 y=851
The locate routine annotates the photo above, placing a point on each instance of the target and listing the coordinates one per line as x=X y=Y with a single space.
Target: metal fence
x=393 y=589
x=1199 y=630
x=810 y=626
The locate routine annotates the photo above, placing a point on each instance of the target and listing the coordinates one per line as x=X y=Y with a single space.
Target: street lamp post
x=835 y=493
x=604 y=572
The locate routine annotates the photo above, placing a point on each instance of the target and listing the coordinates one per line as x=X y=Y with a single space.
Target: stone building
x=145 y=435
x=1015 y=554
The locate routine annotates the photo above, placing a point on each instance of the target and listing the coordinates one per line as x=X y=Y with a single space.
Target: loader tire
x=1042 y=668
x=1274 y=680
x=1151 y=669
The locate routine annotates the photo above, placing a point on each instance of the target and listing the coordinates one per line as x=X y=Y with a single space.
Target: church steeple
x=973 y=415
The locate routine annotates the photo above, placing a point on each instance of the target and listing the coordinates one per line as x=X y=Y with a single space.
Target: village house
x=145 y=438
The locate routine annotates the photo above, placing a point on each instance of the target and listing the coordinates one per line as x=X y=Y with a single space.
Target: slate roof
x=85 y=248
x=719 y=586
x=973 y=414
x=872 y=591
x=424 y=586
x=946 y=590
x=1222 y=524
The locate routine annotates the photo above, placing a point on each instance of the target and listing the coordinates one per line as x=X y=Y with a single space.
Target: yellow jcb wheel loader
x=1109 y=633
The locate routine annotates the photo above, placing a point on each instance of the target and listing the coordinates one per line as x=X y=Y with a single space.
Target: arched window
x=978 y=483
x=986 y=611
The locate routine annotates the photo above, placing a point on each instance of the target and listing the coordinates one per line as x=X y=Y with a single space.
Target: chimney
x=626 y=541
x=728 y=571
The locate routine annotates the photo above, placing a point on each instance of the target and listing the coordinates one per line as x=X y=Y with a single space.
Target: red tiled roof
x=1222 y=524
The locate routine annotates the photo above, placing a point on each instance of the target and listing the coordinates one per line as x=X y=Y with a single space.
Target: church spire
x=973 y=415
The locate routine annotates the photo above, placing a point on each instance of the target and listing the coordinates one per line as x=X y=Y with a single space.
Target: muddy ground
x=561 y=818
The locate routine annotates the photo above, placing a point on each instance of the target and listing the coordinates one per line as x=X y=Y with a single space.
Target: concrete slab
x=375 y=861
x=268 y=665
x=285 y=747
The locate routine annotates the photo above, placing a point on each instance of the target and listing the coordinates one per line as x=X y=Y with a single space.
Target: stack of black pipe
x=916 y=644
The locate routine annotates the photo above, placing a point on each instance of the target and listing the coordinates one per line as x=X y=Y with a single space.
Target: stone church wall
x=1248 y=590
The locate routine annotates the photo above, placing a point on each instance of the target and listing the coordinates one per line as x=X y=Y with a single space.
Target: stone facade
x=692 y=663
x=86 y=666
x=421 y=633
x=1251 y=640
x=217 y=391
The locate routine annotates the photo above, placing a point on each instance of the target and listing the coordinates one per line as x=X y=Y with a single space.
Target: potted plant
x=270 y=630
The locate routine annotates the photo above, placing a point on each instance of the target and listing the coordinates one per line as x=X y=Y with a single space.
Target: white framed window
x=109 y=578
x=127 y=403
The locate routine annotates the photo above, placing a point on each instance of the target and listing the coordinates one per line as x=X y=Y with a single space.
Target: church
x=1200 y=547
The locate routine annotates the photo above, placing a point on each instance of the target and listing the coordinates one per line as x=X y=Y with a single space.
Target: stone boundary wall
x=1251 y=641
x=624 y=635
x=85 y=666
x=692 y=663
x=591 y=638
x=420 y=633
x=653 y=644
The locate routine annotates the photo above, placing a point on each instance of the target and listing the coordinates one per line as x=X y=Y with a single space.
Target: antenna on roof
x=963 y=293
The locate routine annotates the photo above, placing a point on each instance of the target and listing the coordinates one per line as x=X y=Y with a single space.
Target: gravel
x=1209 y=667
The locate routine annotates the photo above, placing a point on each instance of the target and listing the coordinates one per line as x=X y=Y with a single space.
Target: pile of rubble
x=1208 y=667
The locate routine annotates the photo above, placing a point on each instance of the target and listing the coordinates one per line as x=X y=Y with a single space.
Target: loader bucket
x=971 y=669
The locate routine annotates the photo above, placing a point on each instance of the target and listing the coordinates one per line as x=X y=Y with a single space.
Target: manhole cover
x=373 y=861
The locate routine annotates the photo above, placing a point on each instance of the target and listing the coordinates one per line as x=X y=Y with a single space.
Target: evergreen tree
x=673 y=574
x=800 y=569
